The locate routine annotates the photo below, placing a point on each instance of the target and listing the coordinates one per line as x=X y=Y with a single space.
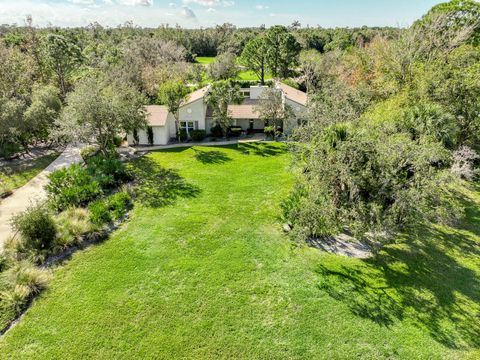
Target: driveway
x=32 y=191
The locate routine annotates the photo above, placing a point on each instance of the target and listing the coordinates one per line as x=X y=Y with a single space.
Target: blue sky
x=203 y=13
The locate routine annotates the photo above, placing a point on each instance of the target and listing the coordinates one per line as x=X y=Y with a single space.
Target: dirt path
x=32 y=191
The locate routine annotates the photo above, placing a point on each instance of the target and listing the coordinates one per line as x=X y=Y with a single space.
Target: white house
x=194 y=114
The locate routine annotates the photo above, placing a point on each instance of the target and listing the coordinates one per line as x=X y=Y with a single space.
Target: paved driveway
x=32 y=191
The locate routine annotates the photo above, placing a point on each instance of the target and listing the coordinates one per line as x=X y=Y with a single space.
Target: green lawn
x=19 y=173
x=202 y=270
x=242 y=75
x=205 y=60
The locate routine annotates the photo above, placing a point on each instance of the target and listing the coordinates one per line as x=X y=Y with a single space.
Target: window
x=245 y=93
x=189 y=126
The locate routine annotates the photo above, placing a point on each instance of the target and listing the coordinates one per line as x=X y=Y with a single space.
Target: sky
x=205 y=13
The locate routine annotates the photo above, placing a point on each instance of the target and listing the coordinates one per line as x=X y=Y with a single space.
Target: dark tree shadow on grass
x=419 y=280
x=261 y=149
x=211 y=157
x=157 y=187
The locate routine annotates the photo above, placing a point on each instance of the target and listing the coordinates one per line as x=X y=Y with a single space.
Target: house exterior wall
x=160 y=136
x=194 y=111
x=299 y=113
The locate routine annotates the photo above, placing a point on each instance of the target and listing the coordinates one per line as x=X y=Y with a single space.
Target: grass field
x=242 y=75
x=203 y=270
x=16 y=175
x=205 y=60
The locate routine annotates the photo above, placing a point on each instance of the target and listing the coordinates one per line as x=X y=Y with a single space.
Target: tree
x=282 y=51
x=61 y=56
x=172 y=94
x=272 y=109
x=460 y=14
x=310 y=67
x=98 y=110
x=254 y=57
x=43 y=111
x=224 y=67
x=13 y=134
x=219 y=96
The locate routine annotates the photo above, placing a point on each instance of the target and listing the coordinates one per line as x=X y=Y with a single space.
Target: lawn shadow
x=420 y=279
x=211 y=157
x=261 y=149
x=157 y=187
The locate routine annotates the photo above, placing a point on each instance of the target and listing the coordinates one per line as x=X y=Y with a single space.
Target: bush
x=198 y=135
x=183 y=135
x=72 y=225
x=108 y=171
x=117 y=141
x=269 y=130
x=18 y=285
x=37 y=229
x=119 y=203
x=72 y=186
x=106 y=210
x=150 y=135
x=216 y=131
x=235 y=131
x=99 y=212
x=88 y=151
x=9 y=149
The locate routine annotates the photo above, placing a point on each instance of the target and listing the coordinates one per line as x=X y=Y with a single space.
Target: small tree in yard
x=271 y=108
x=220 y=95
x=97 y=111
x=172 y=94
x=224 y=67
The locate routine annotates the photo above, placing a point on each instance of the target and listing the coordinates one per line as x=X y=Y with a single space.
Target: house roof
x=293 y=94
x=156 y=115
x=242 y=112
x=196 y=95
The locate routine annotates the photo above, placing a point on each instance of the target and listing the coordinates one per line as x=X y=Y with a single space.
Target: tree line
x=392 y=127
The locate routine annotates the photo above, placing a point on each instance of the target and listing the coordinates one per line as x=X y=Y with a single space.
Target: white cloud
x=83 y=2
x=211 y=10
x=136 y=2
x=210 y=3
x=111 y=2
x=188 y=13
x=262 y=7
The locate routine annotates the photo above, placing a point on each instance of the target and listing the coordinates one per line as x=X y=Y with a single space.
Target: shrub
x=37 y=228
x=269 y=130
x=88 y=151
x=216 y=131
x=183 y=135
x=9 y=149
x=117 y=141
x=18 y=285
x=235 y=131
x=99 y=212
x=198 y=135
x=150 y=135
x=72 y=186
x=106 y=210
x=108 y=171
x=72 y=224
x=118 y=204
